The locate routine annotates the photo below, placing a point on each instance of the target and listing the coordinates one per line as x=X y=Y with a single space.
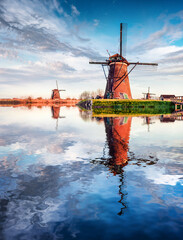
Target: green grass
x=116 y=106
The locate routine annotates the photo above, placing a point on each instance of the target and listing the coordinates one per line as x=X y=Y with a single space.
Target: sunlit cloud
x=41 y=41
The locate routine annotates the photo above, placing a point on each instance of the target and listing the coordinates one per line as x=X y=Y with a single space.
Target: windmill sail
x=118 y=85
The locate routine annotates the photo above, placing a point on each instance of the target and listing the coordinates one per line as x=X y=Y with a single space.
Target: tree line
x=99 y=93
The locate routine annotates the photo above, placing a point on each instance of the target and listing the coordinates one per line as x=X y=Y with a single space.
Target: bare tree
x=85 y=95
x=93 y=94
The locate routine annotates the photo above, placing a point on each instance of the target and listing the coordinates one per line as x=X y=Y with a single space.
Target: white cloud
x=75 y=12
x=96 y=22
x=58 y=7
x=38 y=47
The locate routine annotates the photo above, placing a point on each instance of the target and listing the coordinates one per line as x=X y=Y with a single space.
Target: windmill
x=56 y=92
x=148 y=121
x=118 y=85
x=148 y=94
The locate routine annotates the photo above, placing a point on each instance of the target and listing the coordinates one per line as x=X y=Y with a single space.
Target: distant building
x=179 y=97
x=167 y=97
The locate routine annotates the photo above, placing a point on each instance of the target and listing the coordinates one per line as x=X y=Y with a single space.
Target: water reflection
x=90 y=179
x=119 y=155
x=164 y=118
x=171 y=118
x=117 y=141
x=117 y=135
x=55 y=112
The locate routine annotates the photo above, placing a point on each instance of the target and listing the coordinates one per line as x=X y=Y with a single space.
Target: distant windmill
x=56 y=92
x=118 y=85
x=148 y=94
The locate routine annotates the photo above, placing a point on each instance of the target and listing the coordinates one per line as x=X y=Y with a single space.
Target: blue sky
x=44 y=41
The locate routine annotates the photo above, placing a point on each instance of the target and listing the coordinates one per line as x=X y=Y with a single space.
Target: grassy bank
x=116 y=106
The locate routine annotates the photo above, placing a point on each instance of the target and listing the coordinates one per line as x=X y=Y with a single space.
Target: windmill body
x=117 y=71
x=56 y=92
x=118 y=85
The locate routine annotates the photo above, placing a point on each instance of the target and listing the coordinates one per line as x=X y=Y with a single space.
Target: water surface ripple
x=67 y=175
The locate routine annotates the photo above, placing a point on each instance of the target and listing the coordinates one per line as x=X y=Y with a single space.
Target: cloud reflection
x=54 y=182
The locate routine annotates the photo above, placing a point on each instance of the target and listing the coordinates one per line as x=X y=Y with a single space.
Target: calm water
x=78 y=177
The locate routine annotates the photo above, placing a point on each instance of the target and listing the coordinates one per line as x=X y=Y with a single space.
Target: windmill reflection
x=117 y=140
x=118 y=134
x=56 y=114
x=118 y=156
x=148 y=121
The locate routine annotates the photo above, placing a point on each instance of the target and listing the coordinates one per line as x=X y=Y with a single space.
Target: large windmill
x=118 y=85
x=56 y=92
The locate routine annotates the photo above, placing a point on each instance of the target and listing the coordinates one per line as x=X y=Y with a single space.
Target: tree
x=100 y=92
x=85 y=95
x=93 y=94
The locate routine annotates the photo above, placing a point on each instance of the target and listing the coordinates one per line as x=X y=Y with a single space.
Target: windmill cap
x=117 y=56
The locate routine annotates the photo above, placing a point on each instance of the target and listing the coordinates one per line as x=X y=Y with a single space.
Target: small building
x=167 y=97
x=179 y=98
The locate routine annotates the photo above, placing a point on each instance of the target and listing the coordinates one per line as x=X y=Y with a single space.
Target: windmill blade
x=131 y=63
x=145 y=64
x=103 y=63
x=124 y=38
x=120 y=45
x=57 y=84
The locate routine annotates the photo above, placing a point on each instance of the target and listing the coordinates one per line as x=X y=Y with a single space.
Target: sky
x=42 y=41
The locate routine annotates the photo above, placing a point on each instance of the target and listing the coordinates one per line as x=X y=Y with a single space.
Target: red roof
x=168 y=96
x=119 y=57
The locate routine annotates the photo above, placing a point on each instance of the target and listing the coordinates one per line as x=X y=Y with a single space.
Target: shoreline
x=15 y=102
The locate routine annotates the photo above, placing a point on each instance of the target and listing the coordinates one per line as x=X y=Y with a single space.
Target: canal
x=65 y=174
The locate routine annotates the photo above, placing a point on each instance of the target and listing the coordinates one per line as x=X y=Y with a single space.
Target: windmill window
x=125 y=96
x=121 y=95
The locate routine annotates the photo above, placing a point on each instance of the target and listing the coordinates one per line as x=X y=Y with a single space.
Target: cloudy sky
x=42 y=41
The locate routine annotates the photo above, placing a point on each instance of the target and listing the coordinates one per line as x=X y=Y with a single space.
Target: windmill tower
x=148 y=95
x=118 y=85
x=56 y=92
